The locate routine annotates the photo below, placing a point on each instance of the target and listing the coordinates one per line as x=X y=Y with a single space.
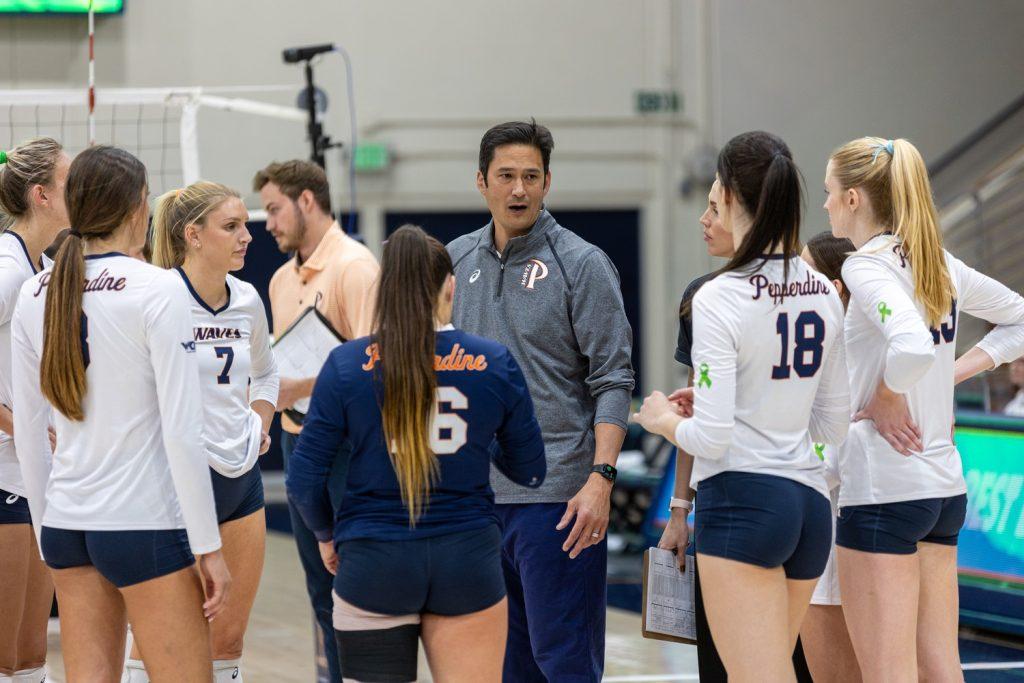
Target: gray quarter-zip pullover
x=554 y=300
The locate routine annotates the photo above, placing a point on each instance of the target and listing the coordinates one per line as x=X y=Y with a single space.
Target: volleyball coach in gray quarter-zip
x=554 y=300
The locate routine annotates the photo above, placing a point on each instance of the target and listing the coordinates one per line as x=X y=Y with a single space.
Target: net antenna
x=92 y=75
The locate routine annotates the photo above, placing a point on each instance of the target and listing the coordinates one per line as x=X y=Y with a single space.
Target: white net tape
x=158 y=125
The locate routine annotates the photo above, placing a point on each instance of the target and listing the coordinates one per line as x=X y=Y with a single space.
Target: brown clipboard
x=655 y=635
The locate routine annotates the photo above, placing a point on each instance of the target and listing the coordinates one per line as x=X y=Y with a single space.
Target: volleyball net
x=160 y=126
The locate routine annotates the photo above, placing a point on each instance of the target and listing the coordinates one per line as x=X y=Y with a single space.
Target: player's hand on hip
x=329 y=556
x=590 y=507
x=891 y=415
x=676 y=536
x=216 y=583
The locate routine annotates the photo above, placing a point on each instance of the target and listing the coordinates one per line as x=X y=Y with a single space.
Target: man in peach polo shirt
x=338 y=275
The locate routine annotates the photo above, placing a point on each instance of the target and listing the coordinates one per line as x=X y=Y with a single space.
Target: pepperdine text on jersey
x=779 y=291
x=457 y=359
x=102 y=282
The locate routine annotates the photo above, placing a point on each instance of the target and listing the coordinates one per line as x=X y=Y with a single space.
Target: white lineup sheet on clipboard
x=670 y=596
x=302 y=349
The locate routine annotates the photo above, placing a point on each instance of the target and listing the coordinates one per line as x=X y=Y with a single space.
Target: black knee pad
x=385 y=655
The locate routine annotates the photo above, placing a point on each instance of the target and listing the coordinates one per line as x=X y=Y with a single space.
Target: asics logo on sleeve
x=189 y=346
x=535 y=270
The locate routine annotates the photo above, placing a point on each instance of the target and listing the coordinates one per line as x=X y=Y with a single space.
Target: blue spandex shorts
x=13 y=508
x=237 y=497
x=764 y=520
x=124 y=558
x=897 y=528
x=450 y=575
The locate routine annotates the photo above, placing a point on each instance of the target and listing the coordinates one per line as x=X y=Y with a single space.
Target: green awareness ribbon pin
x=819 y=450
x=884 y=310
x=704 y=379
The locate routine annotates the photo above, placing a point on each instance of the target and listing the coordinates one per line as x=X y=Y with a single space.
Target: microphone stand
x=319 y=143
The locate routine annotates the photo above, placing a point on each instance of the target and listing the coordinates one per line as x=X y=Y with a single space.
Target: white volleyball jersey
x=769 y=374
x=236 y=368
x=136 y=461
x=887 y=336
x=15 y=268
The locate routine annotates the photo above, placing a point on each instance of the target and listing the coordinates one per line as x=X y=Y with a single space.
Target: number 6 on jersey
x=450 y=422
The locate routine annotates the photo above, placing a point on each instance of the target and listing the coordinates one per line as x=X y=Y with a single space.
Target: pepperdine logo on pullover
x=554 y=300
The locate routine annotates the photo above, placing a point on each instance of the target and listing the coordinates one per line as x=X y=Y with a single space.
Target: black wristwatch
x=606 y=471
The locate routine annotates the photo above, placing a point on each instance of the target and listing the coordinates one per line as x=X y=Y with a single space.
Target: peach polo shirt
x=340 y=276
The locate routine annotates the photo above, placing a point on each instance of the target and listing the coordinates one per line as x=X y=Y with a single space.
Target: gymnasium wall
x=430 y=77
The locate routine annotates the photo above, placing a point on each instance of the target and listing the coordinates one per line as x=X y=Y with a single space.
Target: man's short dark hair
x=516 y=133
x=295 y=176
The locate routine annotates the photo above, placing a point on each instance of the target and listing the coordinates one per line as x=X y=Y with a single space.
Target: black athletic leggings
x=709 y=663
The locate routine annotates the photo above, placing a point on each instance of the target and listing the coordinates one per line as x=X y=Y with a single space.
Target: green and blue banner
x=992 y=540
x=60 y=6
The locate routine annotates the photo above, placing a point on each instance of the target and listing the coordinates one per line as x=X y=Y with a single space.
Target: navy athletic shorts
x=124 y=558
x=449 y=575
x=764 y=520
x=897 y=528
x=237 y=497
x=13 y=508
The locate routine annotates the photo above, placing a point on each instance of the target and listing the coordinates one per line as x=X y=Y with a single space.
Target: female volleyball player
x=116 y=360
x=32 y=194
x=826 y=641
x=200 y=232
x=676 y=536
x=416 y=534
x=902 y=500
x=768 y=355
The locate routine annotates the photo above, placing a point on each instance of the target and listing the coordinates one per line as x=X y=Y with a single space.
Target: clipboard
x=669 y=599
x=302 y=349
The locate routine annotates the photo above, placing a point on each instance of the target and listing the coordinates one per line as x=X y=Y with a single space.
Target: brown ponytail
x=829 y=254
x=414 y=267
x=105 y=188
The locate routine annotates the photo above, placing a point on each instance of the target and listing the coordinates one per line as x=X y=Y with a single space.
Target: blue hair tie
x=887 y=146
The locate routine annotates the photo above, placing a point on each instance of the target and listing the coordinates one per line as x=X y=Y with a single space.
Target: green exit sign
x=371 y=157
x=658 y=101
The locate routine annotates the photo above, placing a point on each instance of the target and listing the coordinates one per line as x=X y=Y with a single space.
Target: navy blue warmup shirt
x=481 y=395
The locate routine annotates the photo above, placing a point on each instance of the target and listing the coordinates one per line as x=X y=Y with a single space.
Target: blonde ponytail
x=893 y=176
x=175 y=211
x=917 y=226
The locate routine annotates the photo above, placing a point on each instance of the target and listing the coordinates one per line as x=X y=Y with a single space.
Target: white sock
x=37 y=675
x=134 y=672
x=226 y=671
